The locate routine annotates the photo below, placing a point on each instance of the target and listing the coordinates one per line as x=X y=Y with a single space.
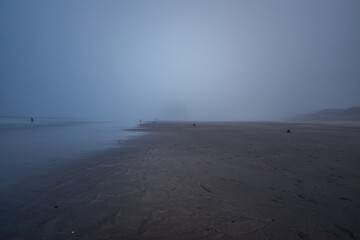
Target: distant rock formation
x=174 y=112
x=349 y=114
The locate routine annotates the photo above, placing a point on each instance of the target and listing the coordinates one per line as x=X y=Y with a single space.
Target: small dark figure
x=32 y=119
x=140 y=120
x=288 y=131
x=194 y=124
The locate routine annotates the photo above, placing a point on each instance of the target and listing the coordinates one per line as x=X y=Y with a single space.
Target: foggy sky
x=195 y=60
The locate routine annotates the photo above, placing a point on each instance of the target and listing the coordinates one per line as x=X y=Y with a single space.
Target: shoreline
x=39 y=149
x=211 y=181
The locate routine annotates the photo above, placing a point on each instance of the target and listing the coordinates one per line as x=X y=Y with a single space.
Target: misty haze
x=180 y=119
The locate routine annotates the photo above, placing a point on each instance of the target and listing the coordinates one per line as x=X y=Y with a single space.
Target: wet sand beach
x=208 y=181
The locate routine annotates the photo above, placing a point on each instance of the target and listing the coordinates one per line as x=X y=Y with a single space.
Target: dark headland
x=351 y=114
x=202 y=181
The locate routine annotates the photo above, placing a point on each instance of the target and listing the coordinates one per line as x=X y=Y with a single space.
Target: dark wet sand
x=211 y=181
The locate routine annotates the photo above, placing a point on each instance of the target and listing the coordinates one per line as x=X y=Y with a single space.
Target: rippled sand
x=209 y=181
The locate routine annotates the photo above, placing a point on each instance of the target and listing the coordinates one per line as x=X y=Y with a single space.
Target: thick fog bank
x=178 y=60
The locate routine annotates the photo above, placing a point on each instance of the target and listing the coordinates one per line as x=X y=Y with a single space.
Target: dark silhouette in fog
x=349 y=114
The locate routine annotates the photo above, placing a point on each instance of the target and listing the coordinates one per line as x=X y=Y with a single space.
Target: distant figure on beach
x=288 y=131
x=194 y=124
x=32 y=119
x=140 y=120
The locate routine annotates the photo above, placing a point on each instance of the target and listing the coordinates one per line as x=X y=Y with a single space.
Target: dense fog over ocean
x=178 y=60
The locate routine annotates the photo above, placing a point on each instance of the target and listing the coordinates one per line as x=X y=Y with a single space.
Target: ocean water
x=29 y=148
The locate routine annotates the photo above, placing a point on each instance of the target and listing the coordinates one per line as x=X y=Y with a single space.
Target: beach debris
x=194 y=124
x=56 y=206
x=32 y=119
x=205 y=188
x=288 y=131
x=75 y=234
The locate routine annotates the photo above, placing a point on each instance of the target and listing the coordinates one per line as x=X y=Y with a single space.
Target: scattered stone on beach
x=288 y=131
x=56 y=206
x=75 y=234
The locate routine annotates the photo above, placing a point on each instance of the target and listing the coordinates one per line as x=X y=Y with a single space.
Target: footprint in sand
x=313 y=201
x=277 y=199
x=303 y=235
x=346 y=231
x=301 y=196
x=346 y=199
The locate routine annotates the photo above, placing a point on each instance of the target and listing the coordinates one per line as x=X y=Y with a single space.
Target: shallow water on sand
x=28 y=149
